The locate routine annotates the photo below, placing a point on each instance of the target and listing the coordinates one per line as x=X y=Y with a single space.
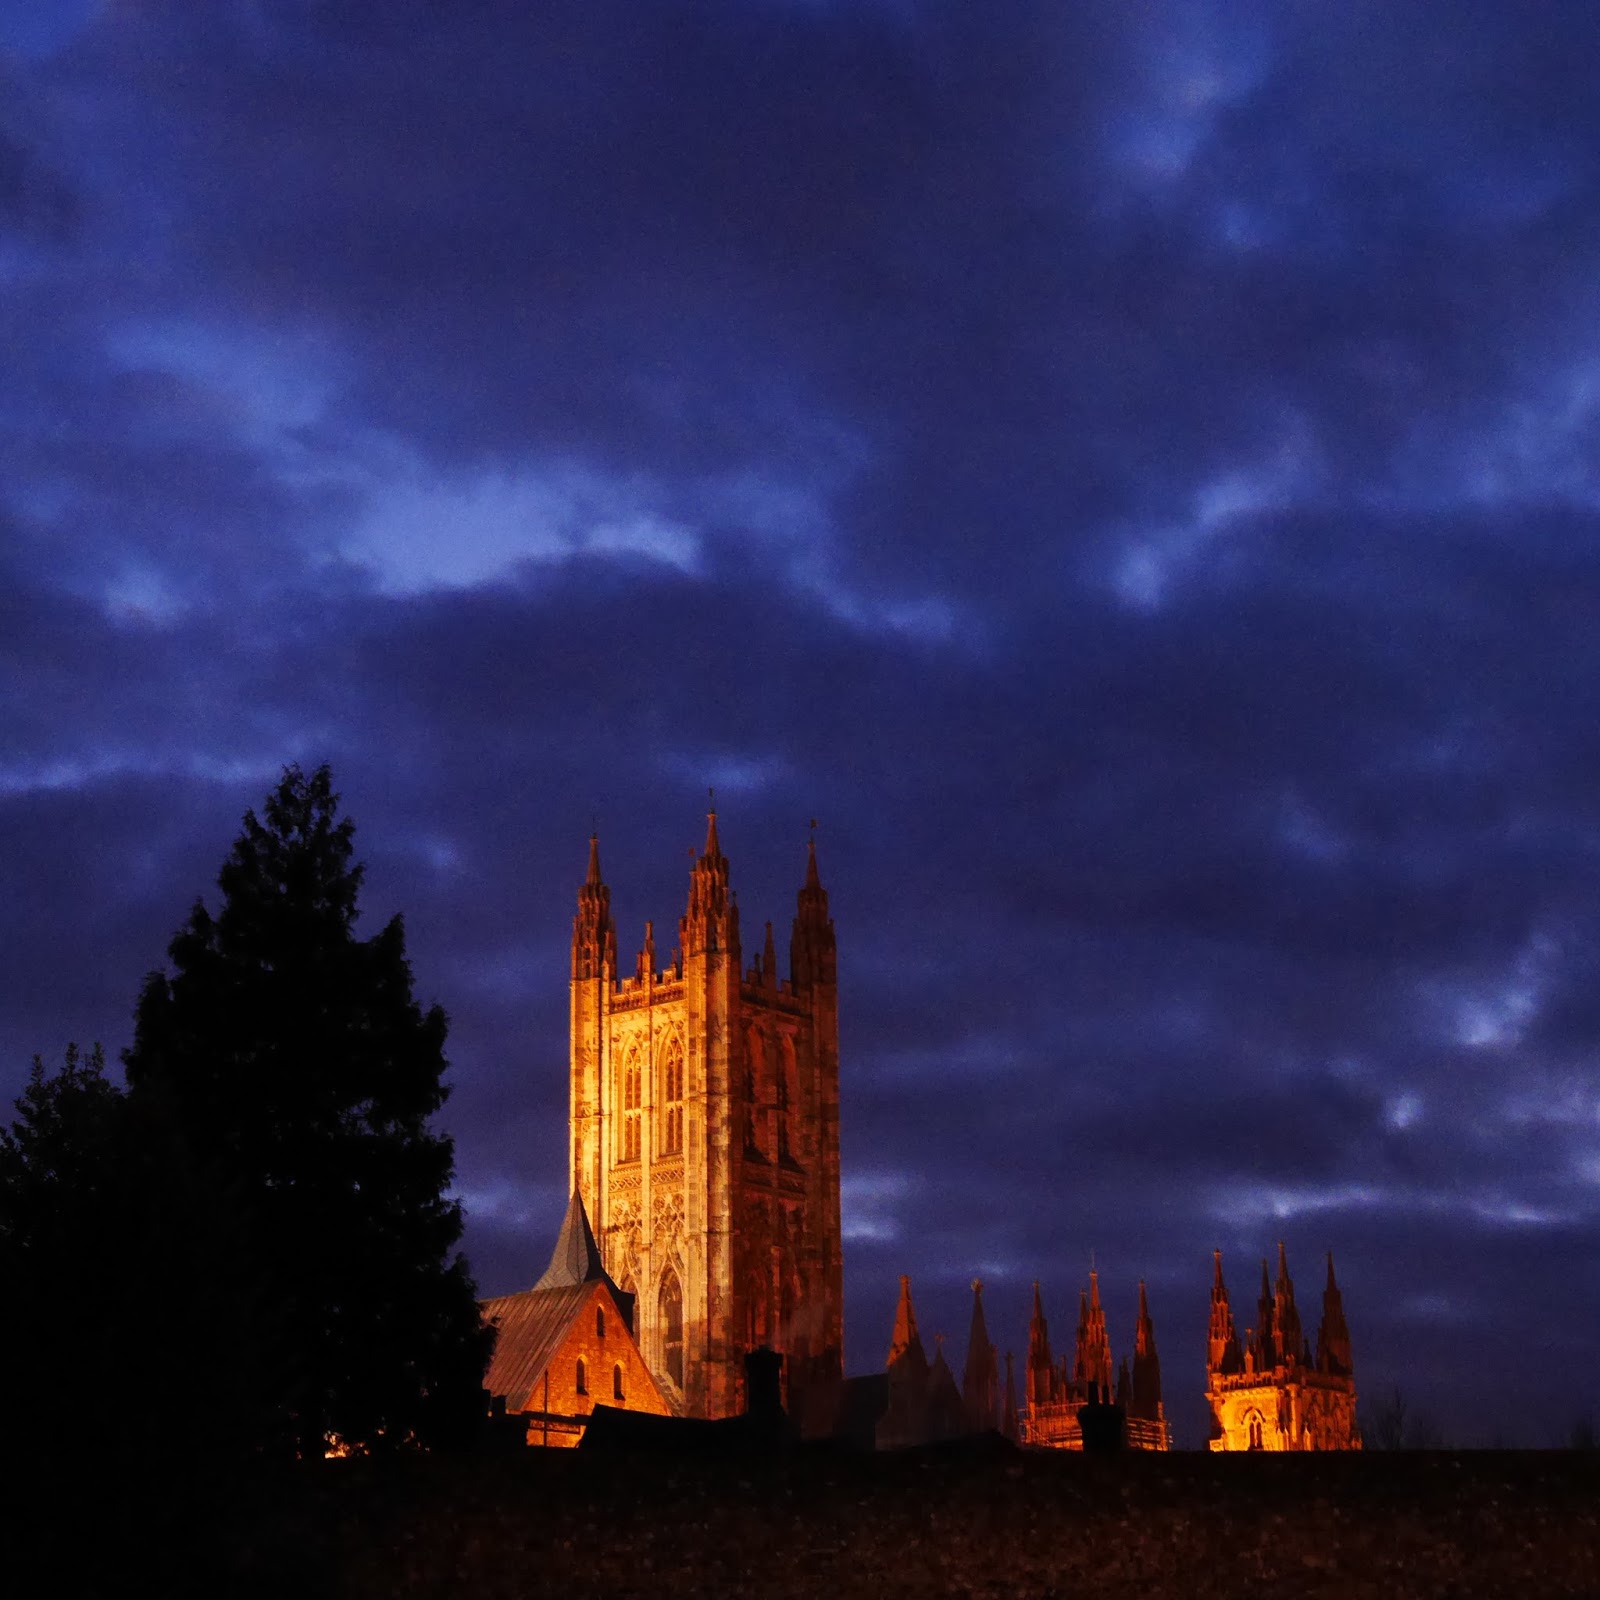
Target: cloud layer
x=1131 y=474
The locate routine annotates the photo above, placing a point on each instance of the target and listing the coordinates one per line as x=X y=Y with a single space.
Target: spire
x=576 y=1257
x=1333 y=1336
x=1285 y=1318
x=594 y=943
x=769 y=962
x=711 y=924
x=1222 y=1345
x=1041 y=1364
x=1146 y=1390
x=905 y=1348
x=1093 y=1363
x=980 y=1381
x=1266 y=1346
x=812 y=957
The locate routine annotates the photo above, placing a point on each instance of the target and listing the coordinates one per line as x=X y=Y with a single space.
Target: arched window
x=750 y=1086
x=616 y=1383
x=672 y=1098
x=582 y=1379
x=785 y=1086
x=1255 y=1430
x=599 y=1322
x=671 y=1302
x=629 y=1150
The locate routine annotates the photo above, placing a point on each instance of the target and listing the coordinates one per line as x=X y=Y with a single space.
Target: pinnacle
x=594 y=861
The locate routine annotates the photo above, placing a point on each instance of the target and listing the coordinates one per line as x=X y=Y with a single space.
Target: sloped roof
x=533 y=1323
x=531 y=1326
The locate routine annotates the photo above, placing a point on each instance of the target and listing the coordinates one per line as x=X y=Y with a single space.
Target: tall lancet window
x=785 y=1088
x=631 y=1113
x=672 y=1098
x=672 y=1326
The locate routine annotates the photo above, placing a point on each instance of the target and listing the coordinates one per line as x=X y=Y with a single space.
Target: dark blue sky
x=1129 y=469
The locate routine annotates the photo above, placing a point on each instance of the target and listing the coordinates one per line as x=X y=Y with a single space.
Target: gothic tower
x=705 y=1135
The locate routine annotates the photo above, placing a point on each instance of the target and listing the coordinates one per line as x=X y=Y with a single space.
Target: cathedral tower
x=705 y=1135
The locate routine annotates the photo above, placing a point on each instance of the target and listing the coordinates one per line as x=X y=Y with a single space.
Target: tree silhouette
x=296 y=1068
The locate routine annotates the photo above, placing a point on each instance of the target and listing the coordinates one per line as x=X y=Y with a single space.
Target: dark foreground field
x=973 y=1523
x=978 y=1521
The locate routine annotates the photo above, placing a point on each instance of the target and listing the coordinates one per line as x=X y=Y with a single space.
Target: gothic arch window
x=1255 y=1431
x=671 y=1303
x=632 y=1114
x=599 y=1322
x=616 y=1382
x=785 y=1090
x=750 y=1110
x=581 y=1378
x=672 y=1097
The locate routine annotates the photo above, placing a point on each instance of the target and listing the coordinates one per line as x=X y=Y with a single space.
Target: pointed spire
x=1285 y=1318
x=769 y=961
x=905 y=1347
x=1223 y=1354
x=1333 y=1335
x=1266 y=1348
x=980 y=1380
x=593 y=938
x=1041 y=1364
x=711 y=924
x=576 y=1257
x=1146 y=1391
x=812 y=958
x=1093 y=1361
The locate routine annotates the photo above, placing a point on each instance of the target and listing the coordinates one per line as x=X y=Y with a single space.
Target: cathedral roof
x=530 y=1329
x=532 y=1324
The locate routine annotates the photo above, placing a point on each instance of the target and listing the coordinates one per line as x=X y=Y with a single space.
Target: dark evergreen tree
x=294 y=1064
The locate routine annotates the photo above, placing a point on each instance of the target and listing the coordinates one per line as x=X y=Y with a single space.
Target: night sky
x=1129 y=470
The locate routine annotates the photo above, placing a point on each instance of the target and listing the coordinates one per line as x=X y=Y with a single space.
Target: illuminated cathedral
x=704 y=1224
x=705 y=1135
x=1269 y=1391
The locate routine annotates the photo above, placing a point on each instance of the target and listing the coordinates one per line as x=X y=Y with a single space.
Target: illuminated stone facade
x=1057 y=1391
x=705 y=1136
x=1270 y=1392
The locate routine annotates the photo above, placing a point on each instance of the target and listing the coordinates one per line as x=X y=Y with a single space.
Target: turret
x=711 y=924
x=980 y=1381
x=1264 y=1346
x=1146 y=1392
x=1333 y=1336
x=1093 y=1362
x=1223 y=1354
x=1041 y=1364
x=1285 y=1319
x=813 y=957
x=594 y=940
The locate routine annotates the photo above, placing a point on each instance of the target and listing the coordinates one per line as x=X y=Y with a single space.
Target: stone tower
x=705 y=1135
x=1269 y=1392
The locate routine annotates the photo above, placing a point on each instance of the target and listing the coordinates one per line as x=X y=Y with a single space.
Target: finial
x=977 y=1285
x=594 y=858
